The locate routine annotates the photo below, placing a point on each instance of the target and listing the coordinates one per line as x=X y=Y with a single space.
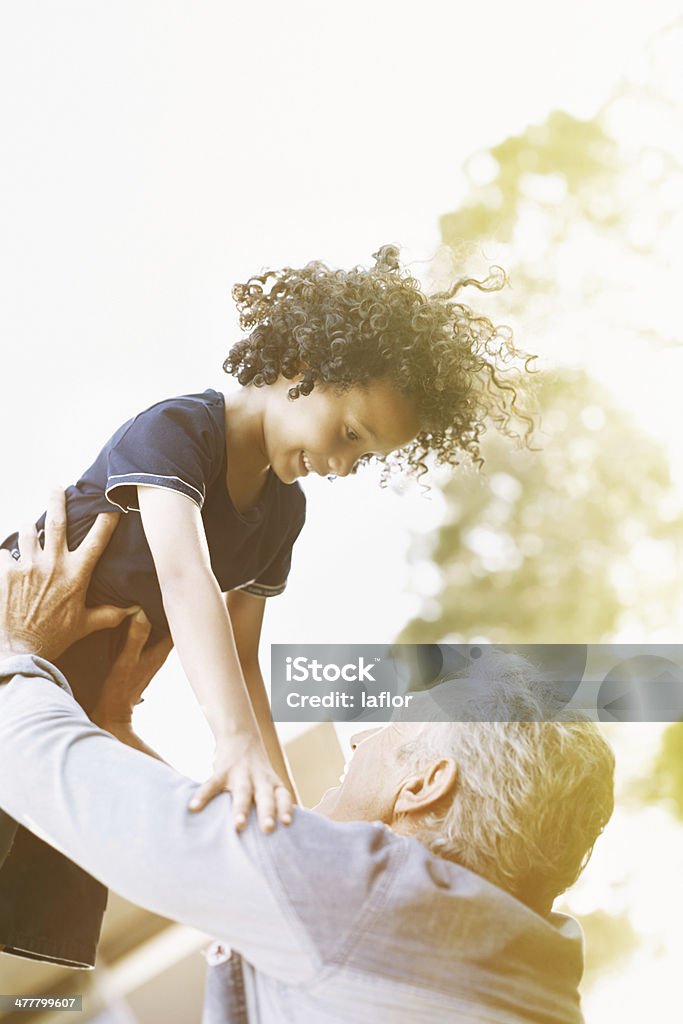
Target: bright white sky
x=153 y=153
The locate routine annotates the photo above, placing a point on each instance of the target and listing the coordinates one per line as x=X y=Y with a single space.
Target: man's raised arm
x=118 y=813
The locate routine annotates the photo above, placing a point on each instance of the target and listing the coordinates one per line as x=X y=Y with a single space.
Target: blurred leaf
x=585 y=214
x=579 y=155
x=666 y=780
x=610 y=938
x=552 y=546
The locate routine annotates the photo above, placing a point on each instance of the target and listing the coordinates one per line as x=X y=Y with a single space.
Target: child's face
x=326 y=432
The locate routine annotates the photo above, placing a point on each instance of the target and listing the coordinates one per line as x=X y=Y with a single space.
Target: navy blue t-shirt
x=177 y=444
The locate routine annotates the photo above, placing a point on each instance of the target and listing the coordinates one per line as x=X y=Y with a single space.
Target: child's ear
x=422 y=790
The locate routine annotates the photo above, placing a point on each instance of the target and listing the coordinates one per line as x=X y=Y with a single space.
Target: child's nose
x=341 y=465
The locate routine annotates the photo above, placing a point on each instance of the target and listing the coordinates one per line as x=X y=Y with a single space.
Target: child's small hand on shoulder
x=241 y=766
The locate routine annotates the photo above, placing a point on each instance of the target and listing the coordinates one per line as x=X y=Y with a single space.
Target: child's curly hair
x=348 y=328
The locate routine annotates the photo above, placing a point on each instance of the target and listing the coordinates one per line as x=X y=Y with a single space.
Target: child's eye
x=351 y=434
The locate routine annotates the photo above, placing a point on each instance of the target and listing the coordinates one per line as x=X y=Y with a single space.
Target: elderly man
x=421 y=890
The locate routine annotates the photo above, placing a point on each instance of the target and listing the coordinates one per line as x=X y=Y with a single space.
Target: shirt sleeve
x=123 y=817
x=287 y=901
x=175 y=444
x=273 y=580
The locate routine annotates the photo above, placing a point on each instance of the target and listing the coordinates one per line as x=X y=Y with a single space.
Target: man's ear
x=422 y=790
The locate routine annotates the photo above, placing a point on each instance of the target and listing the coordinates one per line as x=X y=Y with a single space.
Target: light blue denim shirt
x=326 y=922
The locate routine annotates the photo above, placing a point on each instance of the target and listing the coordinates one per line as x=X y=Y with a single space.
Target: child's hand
x=243 y=768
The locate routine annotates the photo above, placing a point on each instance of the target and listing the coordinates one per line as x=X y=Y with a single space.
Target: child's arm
x=203 y=636
x=246 y=614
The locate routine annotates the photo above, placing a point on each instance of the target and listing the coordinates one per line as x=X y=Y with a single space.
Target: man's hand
x=42 y=595
x=130 y=674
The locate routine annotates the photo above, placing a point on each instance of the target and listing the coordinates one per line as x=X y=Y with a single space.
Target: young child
x=338 y=367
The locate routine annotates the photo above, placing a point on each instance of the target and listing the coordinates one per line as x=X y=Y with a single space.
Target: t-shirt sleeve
x=273 y=580
x=174 y=445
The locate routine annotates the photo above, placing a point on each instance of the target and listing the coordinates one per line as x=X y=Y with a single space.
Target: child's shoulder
x=175 y=418
x=209 y=399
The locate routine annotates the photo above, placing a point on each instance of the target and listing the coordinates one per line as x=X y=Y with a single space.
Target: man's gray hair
x=532 y=794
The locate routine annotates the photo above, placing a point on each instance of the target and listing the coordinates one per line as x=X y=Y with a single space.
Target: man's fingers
x=28 y=543
x=154 y=657
x=90 y=550
x=107 y=617
x=126 y=666
x=139 y=629
x=55 y=523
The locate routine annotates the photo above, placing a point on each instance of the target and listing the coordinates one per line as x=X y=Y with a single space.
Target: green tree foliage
x=609 y=938
x=573 y=542
x=562 y=164
x=666 y=780
x=557 y=545
x=585 y=214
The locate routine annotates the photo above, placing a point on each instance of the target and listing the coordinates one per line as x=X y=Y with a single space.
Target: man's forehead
x=396 y=731
x=443 y=703
x=403 y=731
